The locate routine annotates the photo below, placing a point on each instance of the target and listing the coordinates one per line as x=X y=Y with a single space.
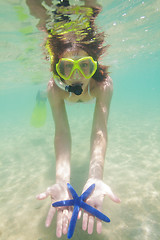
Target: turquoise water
x=27 y=159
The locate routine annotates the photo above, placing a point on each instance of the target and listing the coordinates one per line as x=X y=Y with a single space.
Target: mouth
x=77 y=84
x=76 y=88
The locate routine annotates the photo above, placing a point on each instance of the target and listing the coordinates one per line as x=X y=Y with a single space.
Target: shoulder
x=103 y=97
x=50 y=85
x=52 y=88
x=106 y=85
x=55 y=94
x=105 y=89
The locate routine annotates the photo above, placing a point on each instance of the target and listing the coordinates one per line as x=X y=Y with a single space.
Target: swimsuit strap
x=89 y=90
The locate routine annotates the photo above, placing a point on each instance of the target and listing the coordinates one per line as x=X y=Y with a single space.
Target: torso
x=96 y=88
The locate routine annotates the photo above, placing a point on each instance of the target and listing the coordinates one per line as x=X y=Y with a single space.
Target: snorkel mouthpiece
x=76 y=89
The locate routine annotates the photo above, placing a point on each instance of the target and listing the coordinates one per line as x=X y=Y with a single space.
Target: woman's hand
x=96 y=201
x=58 y=192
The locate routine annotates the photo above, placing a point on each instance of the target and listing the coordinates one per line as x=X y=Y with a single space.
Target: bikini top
x=89 y=94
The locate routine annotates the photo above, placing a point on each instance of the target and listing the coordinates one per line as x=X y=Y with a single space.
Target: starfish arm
x=72 y=191
x=73 y=221
x=94 y=212
x=86 y=194
x=63 y=203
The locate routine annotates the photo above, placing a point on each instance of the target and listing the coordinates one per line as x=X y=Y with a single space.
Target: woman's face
x=76 y=76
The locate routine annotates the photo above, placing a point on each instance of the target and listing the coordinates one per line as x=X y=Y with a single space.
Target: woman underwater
x=74 y=49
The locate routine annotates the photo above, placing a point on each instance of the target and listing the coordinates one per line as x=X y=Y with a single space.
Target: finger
x=111 y=195
x=90 y=224
x=99 y=222
x=42 y=196
x=50 y=216
x=59 y=223
x=65 y=221
x=99 y=226
x=79 y=214
x=85 y=221
x=70 y=211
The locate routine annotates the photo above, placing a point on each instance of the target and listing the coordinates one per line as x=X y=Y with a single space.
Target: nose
x=76 y=73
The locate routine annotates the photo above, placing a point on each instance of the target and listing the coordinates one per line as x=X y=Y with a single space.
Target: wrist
x=95 y=176
x=96 y=172
x=63 y=170
x=61 y=180
x=63 y=176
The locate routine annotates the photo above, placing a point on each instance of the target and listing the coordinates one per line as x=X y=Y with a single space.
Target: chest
x=86 y=96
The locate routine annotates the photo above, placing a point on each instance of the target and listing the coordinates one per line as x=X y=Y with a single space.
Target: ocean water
x=27 y=160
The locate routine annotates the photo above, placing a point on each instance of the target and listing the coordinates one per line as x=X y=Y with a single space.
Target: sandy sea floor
x=131 y=169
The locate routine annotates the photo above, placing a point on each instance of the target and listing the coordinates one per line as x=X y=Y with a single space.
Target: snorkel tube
x=76 y=88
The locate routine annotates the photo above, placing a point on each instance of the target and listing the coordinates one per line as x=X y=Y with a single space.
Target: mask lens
x=87 y=67
x=65 y=68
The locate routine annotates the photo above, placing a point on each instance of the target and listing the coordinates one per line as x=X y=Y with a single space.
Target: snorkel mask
x=65 y=68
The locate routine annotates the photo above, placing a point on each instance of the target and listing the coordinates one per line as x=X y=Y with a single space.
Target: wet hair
x=92 y=44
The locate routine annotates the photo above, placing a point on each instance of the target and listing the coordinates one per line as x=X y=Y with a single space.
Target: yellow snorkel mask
x=66 y=66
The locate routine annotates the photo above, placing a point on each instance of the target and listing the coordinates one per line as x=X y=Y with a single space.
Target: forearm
x=38 y=11
x=91 y=3
x=62 y=145
x=97 y=153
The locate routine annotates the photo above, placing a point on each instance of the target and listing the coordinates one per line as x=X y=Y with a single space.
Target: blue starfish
x=78 y=202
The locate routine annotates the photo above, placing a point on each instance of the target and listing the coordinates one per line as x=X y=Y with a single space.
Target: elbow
x=99 y=138
x=62 y=135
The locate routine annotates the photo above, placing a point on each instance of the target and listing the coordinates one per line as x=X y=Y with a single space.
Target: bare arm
x=99 y=130
x=62 y=144
x=98 y=147
x=91 y=3
x=62 y=141
x=38 y=11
